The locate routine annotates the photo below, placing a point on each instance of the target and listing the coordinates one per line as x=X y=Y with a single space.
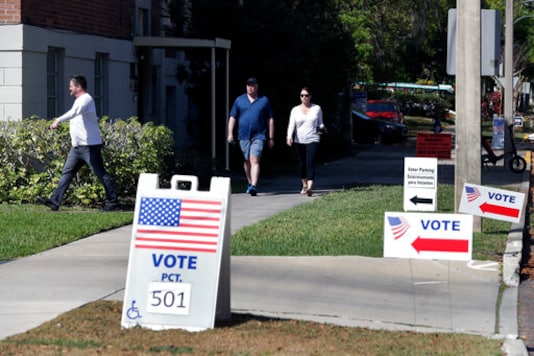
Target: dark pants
x=92 y=155
x=306 y=153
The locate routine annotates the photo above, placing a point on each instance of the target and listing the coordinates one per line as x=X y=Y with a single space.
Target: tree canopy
x=523 y=34
x=329 y=44
x=323 y=43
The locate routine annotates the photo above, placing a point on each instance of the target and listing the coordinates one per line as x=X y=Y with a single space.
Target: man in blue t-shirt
x=254 y=116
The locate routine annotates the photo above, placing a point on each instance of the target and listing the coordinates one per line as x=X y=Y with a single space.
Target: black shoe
x=49 y=203
x=110 y=207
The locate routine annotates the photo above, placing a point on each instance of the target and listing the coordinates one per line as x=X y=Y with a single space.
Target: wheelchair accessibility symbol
x=133 y=312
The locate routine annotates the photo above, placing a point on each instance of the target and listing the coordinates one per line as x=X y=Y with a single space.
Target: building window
x=53 y=81
x=143 y=23
x=100 y=93
x=155 y=90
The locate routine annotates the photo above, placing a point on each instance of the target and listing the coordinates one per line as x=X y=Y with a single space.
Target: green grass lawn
x=348 y=222
x=416 y=124
x=28 y=229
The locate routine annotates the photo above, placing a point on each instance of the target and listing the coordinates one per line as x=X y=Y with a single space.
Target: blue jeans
x=92 y=155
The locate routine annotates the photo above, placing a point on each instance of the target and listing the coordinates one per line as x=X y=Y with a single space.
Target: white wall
x=23 y=75
x=23 y=51
x=10 y=73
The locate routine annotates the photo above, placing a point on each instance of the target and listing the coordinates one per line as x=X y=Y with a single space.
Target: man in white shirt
x=86 y=146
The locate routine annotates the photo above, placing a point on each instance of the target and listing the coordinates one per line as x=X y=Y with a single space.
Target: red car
x=385 y=110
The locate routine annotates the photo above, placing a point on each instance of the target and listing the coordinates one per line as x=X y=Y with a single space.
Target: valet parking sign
x=179 y=265
x=492 y=203
x=420 y=184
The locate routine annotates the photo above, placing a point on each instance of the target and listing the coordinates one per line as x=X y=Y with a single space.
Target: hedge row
x=32 y=157
x=417 y=104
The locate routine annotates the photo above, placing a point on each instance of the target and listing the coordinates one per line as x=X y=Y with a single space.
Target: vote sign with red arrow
x=493 y=203
x=428 y=236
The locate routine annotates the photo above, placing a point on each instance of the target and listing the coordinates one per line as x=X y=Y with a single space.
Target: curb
x=508 y=310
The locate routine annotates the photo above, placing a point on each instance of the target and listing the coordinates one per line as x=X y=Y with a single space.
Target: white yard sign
x=428 y=236
x=492 y=203
x=420 y=184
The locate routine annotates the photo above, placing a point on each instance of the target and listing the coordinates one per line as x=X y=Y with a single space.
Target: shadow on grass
x=237 y=319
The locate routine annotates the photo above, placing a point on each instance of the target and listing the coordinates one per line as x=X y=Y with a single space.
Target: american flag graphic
x=472 y=193
x=398 y=225
x=189 y=225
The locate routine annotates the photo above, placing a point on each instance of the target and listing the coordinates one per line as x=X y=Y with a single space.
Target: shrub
x=32 y=157
x=416 y=104
x=131 y=148
x=428 y=105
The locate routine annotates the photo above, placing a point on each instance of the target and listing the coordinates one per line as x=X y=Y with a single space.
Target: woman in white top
x=305 y=125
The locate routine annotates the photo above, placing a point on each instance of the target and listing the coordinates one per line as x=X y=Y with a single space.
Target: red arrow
x=440 y=245
x=499 y=210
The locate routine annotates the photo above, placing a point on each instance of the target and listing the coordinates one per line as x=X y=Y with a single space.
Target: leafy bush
x=428 y=105
x=32 y=157
x=415 y=104
x=29 y=153
x=131 y=148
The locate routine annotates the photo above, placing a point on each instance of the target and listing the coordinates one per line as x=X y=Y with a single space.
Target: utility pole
x=468 y=94
x=508 y=75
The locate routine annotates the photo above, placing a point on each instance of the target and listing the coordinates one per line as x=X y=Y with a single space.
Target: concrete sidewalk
x=396 y=294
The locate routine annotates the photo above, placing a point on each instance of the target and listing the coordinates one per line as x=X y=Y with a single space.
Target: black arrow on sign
x=417 y=200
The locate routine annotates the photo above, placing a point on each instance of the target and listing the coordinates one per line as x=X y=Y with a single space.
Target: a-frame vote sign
x=493 y=203
x=179 y=266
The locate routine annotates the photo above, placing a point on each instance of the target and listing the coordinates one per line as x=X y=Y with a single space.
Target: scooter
x=517 y=164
